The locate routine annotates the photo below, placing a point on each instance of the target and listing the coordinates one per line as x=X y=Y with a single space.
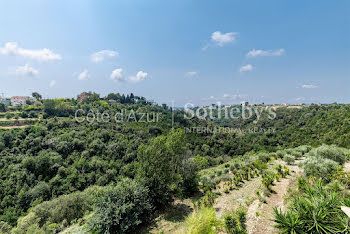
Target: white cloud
x=140 y=76
x=245 y=68
x=309 y=86
x=191 y=74
x=101 y=55
x=52 y=83
x=223 y=38
x=117 y=74
x=42 y=55
x=84 y=75
x=300 y=99
x=256 y=53
x=26 y=70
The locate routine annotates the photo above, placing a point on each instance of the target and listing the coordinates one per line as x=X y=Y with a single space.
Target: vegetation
x=120 y=208
x=112 y=177
x=315 y=207
x=235 y=222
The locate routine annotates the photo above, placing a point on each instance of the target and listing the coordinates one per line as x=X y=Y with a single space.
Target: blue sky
x=184 y=51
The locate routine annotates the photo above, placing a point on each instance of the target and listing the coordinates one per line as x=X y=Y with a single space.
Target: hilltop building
x=19 y=100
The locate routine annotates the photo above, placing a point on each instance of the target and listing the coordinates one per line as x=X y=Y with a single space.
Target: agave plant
x=315 y=209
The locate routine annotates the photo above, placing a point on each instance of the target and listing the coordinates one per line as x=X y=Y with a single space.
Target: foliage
x=235 y=222
x=36 y=95
x=314 y=210
x=4 y=228
x=120 y=208
x=2 y=107
x=331 y=152
x=59 y=212
x=161 y=167
x=202 y=221
x=206 y=201
x=289 y=159
x=319 y=167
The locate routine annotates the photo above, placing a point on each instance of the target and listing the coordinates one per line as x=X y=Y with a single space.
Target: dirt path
x=259 y=217
x=232 y=200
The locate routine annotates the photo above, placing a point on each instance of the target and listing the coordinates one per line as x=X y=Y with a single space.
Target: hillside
x=140 y=168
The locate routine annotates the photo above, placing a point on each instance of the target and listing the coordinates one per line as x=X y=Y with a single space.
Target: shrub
x=62 y=210
x=225 y=177
x=331 y=152
x=289 y=159
x=201 y=162
x=33 y=114
x=280 y=153
x=235 y=222
x=264 y=157
x=268 y=178
x=266 y=193
x=120 y=208
x=208 y=185
x=319 y=167
x=4 y=227
x=9 y=115
x=206 y=201
x=304 y=149
x=260 y=165
x=315 y=210
x=202 y=221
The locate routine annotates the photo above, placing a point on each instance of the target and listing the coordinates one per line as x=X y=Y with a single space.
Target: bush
x=304 y=149
x=202 y=221
x=264 y=157
x=62 y=210
x=120 y=208
x=268 y=178
x=289 y=159
x=330 y=152
x=200 y=162
x=280 y=153
x=4 y=228
x=9 y=115
x=235 y=222
x=319 y=167
x=33 y=114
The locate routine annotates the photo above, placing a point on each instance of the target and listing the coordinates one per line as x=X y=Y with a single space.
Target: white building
x=19 y=100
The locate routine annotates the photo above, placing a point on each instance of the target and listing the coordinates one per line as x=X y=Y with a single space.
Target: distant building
x=19 y=100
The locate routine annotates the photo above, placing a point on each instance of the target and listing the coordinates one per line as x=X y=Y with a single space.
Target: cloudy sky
x=194 y=51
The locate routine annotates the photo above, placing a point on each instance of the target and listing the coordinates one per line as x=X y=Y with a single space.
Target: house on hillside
x=19 y=100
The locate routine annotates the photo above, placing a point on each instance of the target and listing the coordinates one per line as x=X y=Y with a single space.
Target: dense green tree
x=120 y=208
x=36 y=95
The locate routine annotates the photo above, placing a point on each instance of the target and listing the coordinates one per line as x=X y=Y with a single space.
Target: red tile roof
x=20 y=97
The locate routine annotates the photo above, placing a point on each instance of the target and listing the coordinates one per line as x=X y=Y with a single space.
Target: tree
x=161 y=167
x=36 y=95
x=2 y=107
